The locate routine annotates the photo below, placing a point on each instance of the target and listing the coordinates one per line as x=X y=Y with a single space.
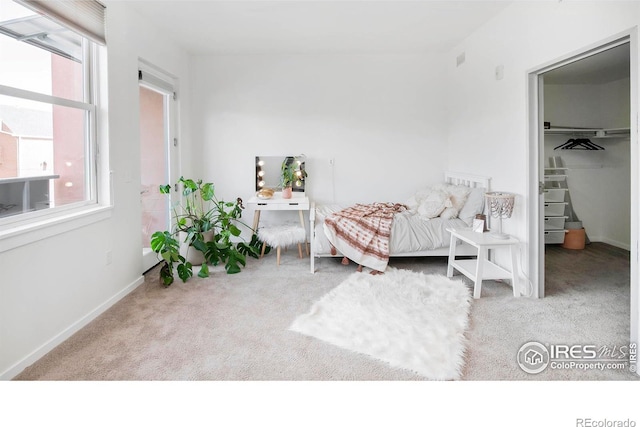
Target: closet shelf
x=590 y=132
x=555 y=177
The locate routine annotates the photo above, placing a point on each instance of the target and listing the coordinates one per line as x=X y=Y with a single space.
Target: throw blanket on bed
x=361 y=232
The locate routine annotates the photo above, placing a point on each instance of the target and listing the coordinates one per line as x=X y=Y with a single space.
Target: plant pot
x=191 y=254
x=287 y=193
x=574 y=239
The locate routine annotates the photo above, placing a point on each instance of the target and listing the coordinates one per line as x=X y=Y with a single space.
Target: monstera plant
x=205 y=224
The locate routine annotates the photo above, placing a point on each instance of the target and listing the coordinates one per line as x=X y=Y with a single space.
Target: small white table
x=481 y=268
x=298 y=202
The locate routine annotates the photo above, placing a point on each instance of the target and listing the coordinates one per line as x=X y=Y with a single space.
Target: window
x=48 y=127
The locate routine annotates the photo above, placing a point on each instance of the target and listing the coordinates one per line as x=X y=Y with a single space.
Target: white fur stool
x=282 y=236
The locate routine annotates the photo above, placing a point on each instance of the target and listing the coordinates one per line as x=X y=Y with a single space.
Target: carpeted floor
x=235 y=327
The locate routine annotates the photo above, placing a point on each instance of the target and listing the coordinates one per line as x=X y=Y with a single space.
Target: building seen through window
x=47 y=114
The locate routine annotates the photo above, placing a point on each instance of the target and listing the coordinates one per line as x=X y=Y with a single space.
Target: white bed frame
x=472 y=181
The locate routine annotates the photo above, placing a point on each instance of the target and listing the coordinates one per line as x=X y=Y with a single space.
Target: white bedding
x=409 y=232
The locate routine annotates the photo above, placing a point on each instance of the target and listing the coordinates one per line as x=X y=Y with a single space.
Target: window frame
x=28 y=227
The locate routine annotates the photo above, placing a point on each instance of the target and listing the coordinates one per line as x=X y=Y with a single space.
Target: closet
x=587 y=148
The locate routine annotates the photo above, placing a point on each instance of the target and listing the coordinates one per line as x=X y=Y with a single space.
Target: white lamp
x=500 y=206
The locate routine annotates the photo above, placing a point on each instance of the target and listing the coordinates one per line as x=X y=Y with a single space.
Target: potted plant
x=206 y=225
x=292 y=172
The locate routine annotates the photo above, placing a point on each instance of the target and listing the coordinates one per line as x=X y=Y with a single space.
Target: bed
x=414 y=232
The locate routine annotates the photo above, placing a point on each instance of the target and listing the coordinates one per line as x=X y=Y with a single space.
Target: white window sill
x=34 y=231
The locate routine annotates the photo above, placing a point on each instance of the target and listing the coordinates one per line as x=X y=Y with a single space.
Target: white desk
x=298 y=202
x=481 y=268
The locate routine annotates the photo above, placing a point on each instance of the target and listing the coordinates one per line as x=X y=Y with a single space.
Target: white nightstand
x=481 y=268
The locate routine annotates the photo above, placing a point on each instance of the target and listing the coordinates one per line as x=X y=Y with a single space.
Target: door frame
x=166 y=84
x=535 y=133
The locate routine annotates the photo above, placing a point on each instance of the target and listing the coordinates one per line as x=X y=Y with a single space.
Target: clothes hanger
x=579 y=144
x=593 y=144
x=569 y=142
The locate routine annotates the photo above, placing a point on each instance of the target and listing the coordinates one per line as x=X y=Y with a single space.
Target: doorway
x=586 y=151
x=545 y=152
x=157 y=142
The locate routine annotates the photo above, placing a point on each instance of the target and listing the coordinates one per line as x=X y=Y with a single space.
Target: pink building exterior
x=68 y=132
x=8 y=152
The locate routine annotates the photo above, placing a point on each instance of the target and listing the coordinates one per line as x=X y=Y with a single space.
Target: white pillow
x=474 y=205
x=414 y=201
x=458 y=196
x=449 y=213
x=433 y=204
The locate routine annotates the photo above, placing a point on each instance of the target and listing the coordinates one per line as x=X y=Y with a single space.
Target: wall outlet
x=332 y=161
x=109 y=257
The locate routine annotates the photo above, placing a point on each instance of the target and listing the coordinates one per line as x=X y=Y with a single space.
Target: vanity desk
x=298 y=202
x=270 y=173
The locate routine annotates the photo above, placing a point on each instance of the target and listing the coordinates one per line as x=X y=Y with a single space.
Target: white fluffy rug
x=407 y=319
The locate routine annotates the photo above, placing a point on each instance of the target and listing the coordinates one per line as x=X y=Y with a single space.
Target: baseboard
x=617 y=244
x=611 y=242
x=62 y=336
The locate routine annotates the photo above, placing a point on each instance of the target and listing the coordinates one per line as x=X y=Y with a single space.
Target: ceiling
x=610 y=65
x=311 y=26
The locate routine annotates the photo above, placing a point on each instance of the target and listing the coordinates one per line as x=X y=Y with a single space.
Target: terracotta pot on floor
x=574 y=239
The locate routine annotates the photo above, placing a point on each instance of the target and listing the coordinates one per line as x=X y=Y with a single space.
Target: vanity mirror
x=269 y=172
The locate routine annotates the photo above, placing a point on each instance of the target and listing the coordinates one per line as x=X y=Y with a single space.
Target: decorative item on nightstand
x=500 y=206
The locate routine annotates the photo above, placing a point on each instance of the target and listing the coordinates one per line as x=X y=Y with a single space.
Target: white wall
x=381 y=117
x=599 y=181
x=488 y=117
x=51 y=287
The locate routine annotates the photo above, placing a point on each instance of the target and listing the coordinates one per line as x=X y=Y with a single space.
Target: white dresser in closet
x=556 y=193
